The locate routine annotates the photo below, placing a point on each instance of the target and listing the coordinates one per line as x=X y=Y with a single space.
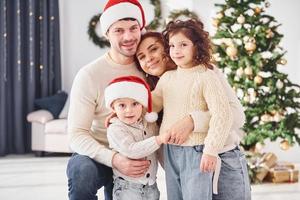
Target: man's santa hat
x=130 y=87
x=120 y=9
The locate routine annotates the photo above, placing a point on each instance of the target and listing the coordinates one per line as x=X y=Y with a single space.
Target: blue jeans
x=183 y=177
x=233 y=181
x=126 y=190
x=86 y=176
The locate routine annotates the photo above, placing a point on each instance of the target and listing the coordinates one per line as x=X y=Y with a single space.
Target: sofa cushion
x=53 y=104
x=56 y=126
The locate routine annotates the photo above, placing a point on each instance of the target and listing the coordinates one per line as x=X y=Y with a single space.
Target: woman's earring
x=147 y=75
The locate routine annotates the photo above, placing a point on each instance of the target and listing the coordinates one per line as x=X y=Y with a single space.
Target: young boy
x=133 y=134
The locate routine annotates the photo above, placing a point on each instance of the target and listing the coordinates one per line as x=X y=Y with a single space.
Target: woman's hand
x=181 y=130
x=208 y=163
x=108 y=118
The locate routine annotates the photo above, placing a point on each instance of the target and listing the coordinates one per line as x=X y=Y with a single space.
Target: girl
x=193 y=86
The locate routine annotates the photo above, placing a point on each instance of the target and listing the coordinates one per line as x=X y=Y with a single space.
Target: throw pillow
x=53 y=104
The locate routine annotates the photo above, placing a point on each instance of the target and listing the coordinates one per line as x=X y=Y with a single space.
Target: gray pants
x=126 y=190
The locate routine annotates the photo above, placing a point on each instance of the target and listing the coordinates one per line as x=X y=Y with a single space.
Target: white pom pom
x=151 y=117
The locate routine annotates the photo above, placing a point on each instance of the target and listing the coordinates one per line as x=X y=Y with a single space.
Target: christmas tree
x=247 y=49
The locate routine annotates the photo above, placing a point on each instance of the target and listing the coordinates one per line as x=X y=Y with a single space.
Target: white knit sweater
x=182 y=91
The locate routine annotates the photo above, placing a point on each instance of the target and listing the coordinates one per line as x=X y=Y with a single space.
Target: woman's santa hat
x=120 y=9
x=130 y=87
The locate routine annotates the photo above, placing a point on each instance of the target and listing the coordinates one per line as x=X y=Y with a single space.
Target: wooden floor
x=31 y=178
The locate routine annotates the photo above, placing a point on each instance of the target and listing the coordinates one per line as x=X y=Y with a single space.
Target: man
x=90 y=168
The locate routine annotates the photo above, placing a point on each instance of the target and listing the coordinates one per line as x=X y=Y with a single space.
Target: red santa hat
x=130 y=87
x=119 y=9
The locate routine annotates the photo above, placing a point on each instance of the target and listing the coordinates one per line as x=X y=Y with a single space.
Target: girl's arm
x=221 y=115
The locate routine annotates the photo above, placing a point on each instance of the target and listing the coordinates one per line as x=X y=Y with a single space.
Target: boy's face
x=127 y=110
x=124 y=37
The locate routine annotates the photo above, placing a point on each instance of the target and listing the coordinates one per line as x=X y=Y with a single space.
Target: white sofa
x=49 y=134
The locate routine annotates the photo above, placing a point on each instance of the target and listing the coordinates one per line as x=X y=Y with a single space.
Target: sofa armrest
x=40 y=116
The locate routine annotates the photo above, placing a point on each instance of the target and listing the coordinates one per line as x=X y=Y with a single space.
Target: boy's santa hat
x=130 y=87
x=120 y=9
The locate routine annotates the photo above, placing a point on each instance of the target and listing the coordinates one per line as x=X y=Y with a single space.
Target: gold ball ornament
x=219 y=15
x=265 y=118
x=259 y=147
x=248 y=71
x=279 y=84
x=250 y=46
x=241 y=19
x=258 y=79
x=215 y=22
x=257 y=10
x=269 y=33
x=239 y=72
x=282 y=61
x=285 y=145
x=277 y=117
x=231 y=51
x=246 y=98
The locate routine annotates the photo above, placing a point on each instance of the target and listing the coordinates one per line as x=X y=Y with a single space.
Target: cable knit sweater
x=87 y=110
x=136 y=141
x=183 y=91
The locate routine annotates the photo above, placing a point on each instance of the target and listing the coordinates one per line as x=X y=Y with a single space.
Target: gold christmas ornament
x=246 y=98
x=250 y=46
x=231 y=51
x=259 y=147
x=257 y=10
x=215 y=22
x=265 y=118
x=258 y=79
x=269 y=33
x=239 y=72
x=277 y=117
x=219 y=15
x=282 y=61
x=241 y=19
x=279 y=84
x=285 y=145
x=248 y=71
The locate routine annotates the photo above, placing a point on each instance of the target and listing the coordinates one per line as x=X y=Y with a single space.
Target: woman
x=154 y=61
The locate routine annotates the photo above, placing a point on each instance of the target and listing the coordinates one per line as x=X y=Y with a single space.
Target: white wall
x=77 y=50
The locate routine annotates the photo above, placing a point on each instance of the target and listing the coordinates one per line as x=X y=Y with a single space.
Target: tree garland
x=155 y=23
x=103 y=42
x=97 y=40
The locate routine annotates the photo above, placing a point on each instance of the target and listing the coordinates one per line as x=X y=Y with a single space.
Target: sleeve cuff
x=201 y=120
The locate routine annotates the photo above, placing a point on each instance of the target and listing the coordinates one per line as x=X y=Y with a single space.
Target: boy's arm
x=121 y=140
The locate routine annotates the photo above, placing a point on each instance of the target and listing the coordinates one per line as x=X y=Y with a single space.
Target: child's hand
x=163 y=138
x=208 y=163
x=108 y=118
x=181 y=130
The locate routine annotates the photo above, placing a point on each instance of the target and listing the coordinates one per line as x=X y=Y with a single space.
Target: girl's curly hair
x=194 y=30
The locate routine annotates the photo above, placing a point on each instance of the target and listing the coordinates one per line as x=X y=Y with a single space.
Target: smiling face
x=127 y=110
x=151 y=56
x=124 y=36
x=182 y=50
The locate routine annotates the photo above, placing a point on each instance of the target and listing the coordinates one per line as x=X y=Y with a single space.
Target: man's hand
x=108 y=118
x=181 y=130
x=129 y=167
x=208 y=163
